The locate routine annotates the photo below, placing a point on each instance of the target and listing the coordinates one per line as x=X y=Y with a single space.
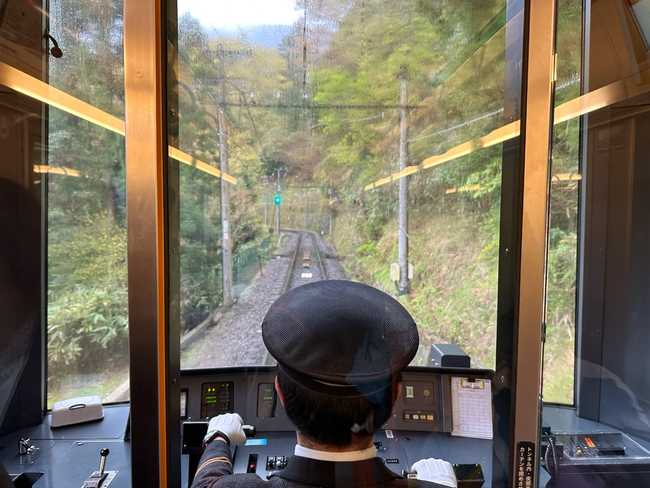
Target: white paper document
x=471 y=406
x=436 y=471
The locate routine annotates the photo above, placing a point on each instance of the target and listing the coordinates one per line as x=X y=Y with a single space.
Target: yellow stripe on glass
x=615 y=92
x=57 y=170
x=38 y=90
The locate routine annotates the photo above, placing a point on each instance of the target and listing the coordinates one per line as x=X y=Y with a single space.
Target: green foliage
x=453 y=294
x=454 y=209
x=87 y=295
x=560 y=320
x=87 y=285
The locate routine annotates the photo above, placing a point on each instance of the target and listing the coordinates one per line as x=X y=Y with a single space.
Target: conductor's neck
x=358 y=443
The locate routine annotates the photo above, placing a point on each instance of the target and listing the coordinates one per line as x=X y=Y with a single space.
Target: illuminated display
x=216 y=398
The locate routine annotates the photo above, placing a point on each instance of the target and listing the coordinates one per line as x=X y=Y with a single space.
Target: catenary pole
x=226 y=234
x=402 y=216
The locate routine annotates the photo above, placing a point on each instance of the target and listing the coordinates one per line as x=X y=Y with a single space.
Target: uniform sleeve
x=215 y=463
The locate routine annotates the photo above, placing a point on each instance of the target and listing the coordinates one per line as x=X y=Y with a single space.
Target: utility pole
x=226 y=246
x=402 y=215
x=226 y=231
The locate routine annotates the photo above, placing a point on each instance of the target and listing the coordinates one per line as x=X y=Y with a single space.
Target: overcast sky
x=240 y=13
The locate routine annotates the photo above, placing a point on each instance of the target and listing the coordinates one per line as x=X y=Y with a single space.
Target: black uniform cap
x=336 y=334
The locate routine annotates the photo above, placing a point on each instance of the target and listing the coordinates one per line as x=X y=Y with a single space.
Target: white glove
x=229 y=424
x=435 y=470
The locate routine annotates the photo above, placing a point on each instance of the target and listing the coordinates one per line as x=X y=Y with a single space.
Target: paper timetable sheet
x=471 y=406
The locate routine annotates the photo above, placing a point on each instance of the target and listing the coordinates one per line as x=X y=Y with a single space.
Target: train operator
x=340 y=348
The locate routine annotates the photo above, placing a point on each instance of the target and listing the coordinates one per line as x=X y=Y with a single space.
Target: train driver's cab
x=170 y=169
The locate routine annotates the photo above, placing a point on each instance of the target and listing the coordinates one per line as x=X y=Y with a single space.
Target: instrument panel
x=420 y=426
x=424 y=402
x=216 y=398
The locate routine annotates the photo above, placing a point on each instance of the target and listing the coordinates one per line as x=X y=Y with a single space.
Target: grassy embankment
x=454 y=291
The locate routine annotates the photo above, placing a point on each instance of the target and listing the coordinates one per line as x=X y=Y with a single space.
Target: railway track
x=232 y=337
x=307 y=264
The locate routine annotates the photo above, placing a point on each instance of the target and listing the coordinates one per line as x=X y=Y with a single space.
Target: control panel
x=216 y=398
x=276 y=463
x=266 y=400
x=593 y=445
x=269 y=452
x=424 y=403
x=420 y=426
x=250 y=392
x=581 y=460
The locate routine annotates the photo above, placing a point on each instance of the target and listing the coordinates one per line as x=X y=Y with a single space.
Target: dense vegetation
x=289 y=115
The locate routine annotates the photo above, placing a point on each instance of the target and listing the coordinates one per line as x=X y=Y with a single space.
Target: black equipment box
x=596 y=460
x=448 y=356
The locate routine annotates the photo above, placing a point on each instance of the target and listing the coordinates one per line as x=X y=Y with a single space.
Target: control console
x=420 y=427
x=423 y=405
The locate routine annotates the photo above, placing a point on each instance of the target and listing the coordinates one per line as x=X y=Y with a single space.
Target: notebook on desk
x=471 y=404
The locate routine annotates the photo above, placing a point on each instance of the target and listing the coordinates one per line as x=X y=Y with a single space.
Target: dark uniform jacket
x=215 y=471
x=5 y=482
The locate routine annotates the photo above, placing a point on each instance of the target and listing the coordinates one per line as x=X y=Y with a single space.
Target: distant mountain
x=270 y=36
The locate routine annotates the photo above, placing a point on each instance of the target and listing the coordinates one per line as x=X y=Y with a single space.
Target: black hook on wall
x=55 y=50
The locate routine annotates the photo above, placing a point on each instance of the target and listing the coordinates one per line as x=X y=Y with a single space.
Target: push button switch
x=275 y=463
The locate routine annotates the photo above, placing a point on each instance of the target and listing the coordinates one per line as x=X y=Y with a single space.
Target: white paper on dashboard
x=471 y=407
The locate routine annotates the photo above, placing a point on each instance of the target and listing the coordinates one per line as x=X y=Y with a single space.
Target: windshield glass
x=341 y=139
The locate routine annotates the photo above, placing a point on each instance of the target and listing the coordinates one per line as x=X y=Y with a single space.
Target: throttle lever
x=249 y=430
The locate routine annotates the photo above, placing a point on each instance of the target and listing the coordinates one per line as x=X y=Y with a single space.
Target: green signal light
x=277 y=199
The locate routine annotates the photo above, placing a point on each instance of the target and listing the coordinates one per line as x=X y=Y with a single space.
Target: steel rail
x=319 y=258
x=292 y=265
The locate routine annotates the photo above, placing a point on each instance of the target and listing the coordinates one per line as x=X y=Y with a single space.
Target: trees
x=456 y=54
x=87 y=289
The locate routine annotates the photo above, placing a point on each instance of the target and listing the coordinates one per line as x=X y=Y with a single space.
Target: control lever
x=193 y=434
x=103 y=455
x=249 y=430
x=25 y=446
x=96 y=479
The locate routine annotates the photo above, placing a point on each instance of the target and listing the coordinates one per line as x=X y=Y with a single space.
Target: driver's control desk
x=72 y=456
x=419 y=428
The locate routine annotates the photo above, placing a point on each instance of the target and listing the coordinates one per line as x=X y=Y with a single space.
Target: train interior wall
x=616 y=277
